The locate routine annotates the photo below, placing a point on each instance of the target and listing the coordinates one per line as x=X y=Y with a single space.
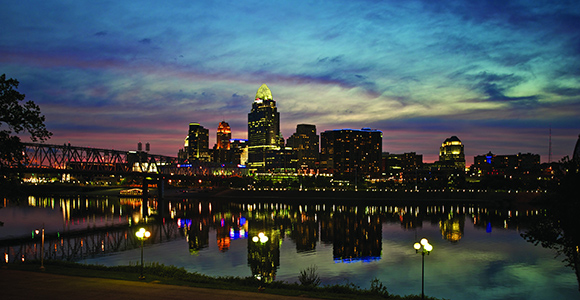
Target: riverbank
x=68 y=280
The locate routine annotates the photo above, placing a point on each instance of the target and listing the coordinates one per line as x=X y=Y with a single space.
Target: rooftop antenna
x=550 y=146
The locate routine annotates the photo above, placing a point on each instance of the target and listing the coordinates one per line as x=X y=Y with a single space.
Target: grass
x=172 y=275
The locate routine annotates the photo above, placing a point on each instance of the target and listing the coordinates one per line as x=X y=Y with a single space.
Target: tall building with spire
x=263 y=128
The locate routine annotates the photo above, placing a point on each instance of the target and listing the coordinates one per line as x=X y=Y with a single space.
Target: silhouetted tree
x=16 y=118
x=558 y=227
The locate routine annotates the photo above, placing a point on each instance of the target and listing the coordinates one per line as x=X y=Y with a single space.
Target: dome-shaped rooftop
x=264 y=93
x=453 y=139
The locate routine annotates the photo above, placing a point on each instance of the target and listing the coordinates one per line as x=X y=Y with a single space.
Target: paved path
x=35 y=285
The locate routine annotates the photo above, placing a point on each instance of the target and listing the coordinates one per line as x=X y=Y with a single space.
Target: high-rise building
x=221 y=152
x=263 y=128
x=351 y=152
x=197 y=143
x=451 y=153
x=224 y=134
x=305 y=144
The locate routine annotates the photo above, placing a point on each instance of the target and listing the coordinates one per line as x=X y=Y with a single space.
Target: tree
x=17 y=118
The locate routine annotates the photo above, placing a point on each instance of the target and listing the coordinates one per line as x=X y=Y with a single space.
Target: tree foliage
x=17 y=117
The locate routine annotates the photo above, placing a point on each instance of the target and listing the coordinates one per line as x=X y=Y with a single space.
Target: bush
x=309 y=277
x=378 y=288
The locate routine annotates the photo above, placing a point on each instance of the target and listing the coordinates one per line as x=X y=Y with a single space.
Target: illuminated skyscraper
x=197 y=143
x=451 y=153
x=224 y=134
x=263 y=128
x=305 y=143
x=351 y=152
x=221 y=152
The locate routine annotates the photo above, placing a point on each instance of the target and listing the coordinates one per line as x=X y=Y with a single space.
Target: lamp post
x=37 y=231
x=261 y=238
x=142 y=234
x=425 y=247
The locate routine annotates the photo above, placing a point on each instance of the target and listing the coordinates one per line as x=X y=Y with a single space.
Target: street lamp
x=37 y=231
x=142 y=234
x=425 y=247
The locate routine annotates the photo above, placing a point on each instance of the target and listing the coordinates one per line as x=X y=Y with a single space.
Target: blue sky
x=108 y=74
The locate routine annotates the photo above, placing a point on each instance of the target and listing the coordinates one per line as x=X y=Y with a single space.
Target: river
x=478 y=248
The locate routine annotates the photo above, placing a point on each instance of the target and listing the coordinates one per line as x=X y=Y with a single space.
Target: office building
x=498 y=164
x=451 y=153
x=197 y=143
x=224 y=135
x=305 y=144
x=351 y=152
x=263 y=128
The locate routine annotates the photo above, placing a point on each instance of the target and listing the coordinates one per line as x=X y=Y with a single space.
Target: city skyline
x=499 y=76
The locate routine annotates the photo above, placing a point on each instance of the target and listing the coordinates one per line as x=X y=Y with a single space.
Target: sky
x=499 y=75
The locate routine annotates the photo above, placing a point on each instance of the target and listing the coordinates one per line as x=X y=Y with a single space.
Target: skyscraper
x=197 y=143
x=351 y=152
x=305 y=143
x=221 y=152
x=263 y=128
x=451 y=153
x=224 y=134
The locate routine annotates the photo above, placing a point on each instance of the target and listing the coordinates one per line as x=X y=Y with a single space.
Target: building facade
x=500 y=164
x=305 y=143
x=351 y=152
x=452 y=154
x=197 y=143
x=224 y=135
x=263 y=128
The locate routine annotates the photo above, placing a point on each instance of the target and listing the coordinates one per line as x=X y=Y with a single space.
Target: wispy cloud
x=407 y=68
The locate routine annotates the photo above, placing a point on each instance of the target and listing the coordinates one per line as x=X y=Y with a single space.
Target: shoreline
x=353 y=197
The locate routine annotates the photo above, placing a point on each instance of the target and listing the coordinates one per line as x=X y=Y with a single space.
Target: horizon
x=499 y=76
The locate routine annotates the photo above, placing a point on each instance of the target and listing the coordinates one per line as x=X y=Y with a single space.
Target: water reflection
x=347 y=235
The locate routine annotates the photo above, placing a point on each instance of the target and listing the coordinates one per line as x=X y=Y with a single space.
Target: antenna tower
x=550 y=147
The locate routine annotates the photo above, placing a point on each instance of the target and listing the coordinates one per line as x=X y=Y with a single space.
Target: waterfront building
x=351 y=152
x=305 y=144
x=451 y=153
x=495 y=164
x=197 y=143
x=263 y=128
x=401 y=167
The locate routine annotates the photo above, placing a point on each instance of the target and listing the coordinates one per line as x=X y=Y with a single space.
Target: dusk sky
x=109 y=74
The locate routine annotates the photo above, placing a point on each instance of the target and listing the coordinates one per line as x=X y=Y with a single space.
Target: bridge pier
x=145 y=187
x=160 y=187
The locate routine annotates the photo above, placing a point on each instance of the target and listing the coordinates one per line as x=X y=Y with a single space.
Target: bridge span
x=61 y=159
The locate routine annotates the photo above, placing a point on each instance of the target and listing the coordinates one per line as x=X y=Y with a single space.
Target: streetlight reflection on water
x=37 y=231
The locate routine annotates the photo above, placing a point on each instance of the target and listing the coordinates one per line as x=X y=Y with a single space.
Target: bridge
x=61 y=159
x=78 y=245
x=46 y=157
